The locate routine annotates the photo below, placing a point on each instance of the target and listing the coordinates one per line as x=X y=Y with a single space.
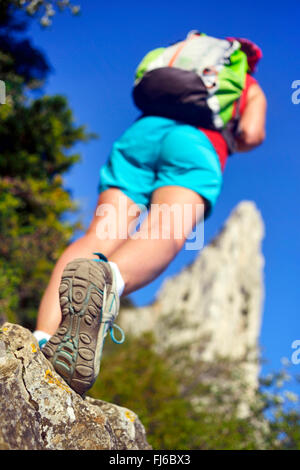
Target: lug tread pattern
x=72 y=349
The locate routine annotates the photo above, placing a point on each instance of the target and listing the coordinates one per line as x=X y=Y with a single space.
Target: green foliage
x=134 y=376
x=31 y=239
x=282 y=409
x=22 y=66
x=40 y=134
x=36 y=141
x=45 y=9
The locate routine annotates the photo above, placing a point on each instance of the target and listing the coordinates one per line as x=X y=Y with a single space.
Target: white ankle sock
x=119 y=280
x=39 y=335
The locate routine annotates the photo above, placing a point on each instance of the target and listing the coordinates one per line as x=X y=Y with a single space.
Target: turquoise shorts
x=156 y=152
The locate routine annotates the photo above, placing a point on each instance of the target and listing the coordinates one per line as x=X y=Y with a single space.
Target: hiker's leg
x=142 y=259
x=49 y=314
x=187 y=166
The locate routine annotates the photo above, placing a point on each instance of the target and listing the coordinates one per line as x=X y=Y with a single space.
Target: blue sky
x=94 y=57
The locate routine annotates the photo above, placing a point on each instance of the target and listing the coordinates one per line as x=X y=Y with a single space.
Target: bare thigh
x=115 y=217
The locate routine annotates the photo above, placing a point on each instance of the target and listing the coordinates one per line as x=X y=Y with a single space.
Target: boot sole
x=76 y=347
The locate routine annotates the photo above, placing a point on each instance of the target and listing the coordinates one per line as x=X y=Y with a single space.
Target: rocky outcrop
x=39 y=411
x=213 y=307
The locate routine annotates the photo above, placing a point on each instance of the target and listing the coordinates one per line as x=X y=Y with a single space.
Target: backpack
x=197 y=81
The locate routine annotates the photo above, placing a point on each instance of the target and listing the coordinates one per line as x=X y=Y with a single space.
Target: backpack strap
x=176 y=53
x=231 y=129
x=181 y=46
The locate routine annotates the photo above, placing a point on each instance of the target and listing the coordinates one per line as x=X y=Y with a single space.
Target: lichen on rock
x=38 y=410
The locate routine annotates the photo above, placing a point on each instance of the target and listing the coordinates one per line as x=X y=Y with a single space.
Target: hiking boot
x=90 y=304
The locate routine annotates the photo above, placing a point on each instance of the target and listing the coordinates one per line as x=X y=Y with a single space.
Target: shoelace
x=111 y=324
x=42 y=343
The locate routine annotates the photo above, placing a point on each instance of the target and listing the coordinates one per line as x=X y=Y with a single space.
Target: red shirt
x=216 y=137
